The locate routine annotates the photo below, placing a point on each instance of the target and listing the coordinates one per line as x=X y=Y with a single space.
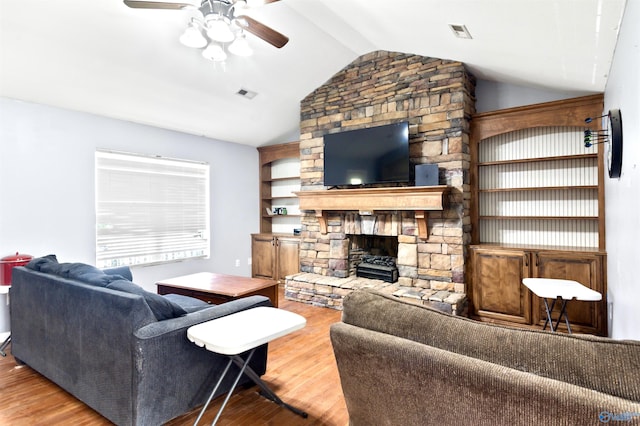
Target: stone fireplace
x=431 y=230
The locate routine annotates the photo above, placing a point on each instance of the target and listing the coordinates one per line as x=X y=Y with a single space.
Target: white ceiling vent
x=246 y=93
x=460 y=30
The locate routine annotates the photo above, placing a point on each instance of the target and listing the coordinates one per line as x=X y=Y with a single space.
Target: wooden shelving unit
x=537 y=210
x=275 y=250
x=279 y=179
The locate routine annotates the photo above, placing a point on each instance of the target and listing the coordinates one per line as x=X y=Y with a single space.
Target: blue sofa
x=119 y=349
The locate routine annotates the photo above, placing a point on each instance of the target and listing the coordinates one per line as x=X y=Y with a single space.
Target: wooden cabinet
x=588 y=270
x=275 y=251
x=498 y=294
x=274 y=256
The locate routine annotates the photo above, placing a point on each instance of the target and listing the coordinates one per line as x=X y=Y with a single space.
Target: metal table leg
x=245 y=369
x=4 y=345
x=548 y=320
x=563 y=312
x=266 y=391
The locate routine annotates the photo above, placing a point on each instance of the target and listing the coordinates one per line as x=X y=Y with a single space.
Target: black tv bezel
x=357 y=134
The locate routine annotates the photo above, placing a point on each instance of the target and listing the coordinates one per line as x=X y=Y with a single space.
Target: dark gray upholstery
x=107 y=348
x=400 y=363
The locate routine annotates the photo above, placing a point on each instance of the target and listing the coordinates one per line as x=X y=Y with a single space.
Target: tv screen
x=367 y=156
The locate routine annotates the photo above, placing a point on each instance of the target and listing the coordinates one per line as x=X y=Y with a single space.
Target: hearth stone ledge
x=325 y=291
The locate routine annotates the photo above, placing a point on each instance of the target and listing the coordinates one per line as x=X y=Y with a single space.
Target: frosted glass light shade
x=214 y=52
x=240 y=47
x=192 y=37
x=218 y=30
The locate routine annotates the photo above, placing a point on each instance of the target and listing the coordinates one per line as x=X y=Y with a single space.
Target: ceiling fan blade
x=139 y=4
x=260 y=30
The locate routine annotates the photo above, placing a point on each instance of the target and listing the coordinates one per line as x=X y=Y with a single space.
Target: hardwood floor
x=301 y=369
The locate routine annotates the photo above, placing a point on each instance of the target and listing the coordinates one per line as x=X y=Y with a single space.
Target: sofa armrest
x=159 y=328
x=391 y=380
x=173 y=375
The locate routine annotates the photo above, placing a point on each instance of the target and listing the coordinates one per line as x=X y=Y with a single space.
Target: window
x=150 y=209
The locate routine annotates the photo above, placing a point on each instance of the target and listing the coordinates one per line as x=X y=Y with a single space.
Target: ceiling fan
x=222 y=22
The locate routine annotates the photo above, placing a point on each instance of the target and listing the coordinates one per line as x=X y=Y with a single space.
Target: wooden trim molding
x=567 y=112
x=368 y=200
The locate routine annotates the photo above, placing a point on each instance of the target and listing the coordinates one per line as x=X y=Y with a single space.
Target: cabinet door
x=584 y=317
x=262 y=256
x=288 y=257
x=498 y=292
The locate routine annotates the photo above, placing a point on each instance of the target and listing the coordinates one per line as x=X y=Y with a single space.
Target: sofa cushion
x=123 y=271
x=82 y=272
x=189 y=304
x=161 y=307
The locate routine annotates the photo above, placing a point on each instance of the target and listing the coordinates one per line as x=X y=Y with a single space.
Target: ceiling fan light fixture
x=214 y=52
x=240 y=46
x=219 y=30
x=192 y=37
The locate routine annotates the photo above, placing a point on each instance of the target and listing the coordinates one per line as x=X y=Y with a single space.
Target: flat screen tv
x=367 y=156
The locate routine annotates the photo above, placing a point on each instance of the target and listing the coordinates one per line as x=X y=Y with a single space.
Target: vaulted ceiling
x=107 y=59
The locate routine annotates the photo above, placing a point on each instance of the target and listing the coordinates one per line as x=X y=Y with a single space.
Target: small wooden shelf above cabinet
x=537 y=160
x=368 y=200
x=539 y=217
x=539 y=188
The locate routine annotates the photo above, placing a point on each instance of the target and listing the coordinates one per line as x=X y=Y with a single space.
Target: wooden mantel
x=368 y=200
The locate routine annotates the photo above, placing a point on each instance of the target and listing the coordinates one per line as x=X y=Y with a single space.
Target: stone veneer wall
x=437 y=98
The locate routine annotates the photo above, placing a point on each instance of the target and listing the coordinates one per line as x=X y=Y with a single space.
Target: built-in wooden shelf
x=419 y=199
x=540 y=188
x=538 y=217
x=537 y=160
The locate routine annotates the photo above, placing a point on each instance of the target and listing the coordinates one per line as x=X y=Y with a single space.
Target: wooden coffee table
x=219 y=288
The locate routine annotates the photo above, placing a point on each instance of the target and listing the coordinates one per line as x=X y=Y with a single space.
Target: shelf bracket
x=422 y=218
x=322 y=220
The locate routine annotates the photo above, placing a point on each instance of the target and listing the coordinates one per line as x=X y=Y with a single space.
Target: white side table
x=548 y=288
x=5 y=336
x=241 y=332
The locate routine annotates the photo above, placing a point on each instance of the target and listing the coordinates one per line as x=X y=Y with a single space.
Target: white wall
x=47 y=186
x=622 y=202
x=491 y=96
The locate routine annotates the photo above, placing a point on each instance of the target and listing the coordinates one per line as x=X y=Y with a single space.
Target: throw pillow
x=36 y=263
x=89 y=274
x=123 y=271
x=161 y=307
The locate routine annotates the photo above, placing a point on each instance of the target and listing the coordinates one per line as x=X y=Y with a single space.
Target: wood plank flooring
x=301 y=369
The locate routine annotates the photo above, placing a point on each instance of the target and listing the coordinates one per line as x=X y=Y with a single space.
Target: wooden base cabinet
x=498 y=292
x=274 y=256
x=498 y=295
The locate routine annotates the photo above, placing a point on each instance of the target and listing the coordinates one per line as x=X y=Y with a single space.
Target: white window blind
x=150 y=209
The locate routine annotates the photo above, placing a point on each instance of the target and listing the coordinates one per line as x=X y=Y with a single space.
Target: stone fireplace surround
x=436 y=97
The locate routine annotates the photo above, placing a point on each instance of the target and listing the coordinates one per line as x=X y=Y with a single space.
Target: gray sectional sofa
x=403 y=364
x=119 y=349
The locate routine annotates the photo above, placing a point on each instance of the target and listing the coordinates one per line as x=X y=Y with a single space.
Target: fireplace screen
x=373 y=257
